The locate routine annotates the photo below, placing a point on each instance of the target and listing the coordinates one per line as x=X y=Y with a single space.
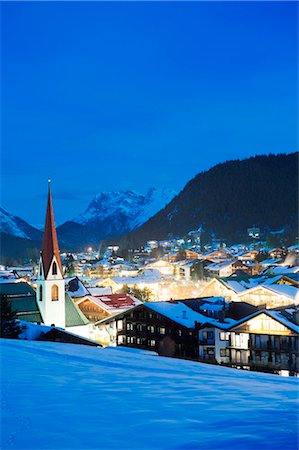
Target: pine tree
x=10 y=327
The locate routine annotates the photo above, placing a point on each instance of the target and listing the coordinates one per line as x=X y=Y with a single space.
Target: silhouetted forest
x=227 y=199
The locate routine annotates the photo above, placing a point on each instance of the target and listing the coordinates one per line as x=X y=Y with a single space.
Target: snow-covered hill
x=113 y=214
x=14 y=226
x=66 y=396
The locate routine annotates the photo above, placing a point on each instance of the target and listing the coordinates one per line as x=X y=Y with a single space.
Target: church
x=55 y=305
x=49 y=304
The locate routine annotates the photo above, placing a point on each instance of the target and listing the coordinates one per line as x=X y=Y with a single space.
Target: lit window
x=54 y=268
x=54 y=292
x=162 y=330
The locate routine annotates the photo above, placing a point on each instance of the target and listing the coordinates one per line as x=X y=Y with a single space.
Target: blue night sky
x=109 y=96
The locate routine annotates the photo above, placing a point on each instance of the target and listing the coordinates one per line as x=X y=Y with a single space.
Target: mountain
x=227 y=199
x=112 y=214
x=14 y=226
x=18 y=239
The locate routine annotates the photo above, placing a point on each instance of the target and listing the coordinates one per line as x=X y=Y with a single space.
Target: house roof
x=233 y=285
x=276 y=315
x=50 y=243
x=182 y=314
x=22 y=299
x=113 y=302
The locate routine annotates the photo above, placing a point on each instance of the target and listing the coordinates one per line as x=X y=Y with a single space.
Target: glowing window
x=54 y=292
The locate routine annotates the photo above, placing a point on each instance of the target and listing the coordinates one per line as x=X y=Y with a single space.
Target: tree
x=10 y=327
x=144 y=295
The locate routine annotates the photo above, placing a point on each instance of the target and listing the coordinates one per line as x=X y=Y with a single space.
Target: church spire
x=50 y=243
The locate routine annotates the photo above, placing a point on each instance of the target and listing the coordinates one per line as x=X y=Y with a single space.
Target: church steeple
x=50 y=243
x=50 y=289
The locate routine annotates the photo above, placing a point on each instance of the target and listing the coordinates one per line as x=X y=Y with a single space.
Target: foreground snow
x=65 y=396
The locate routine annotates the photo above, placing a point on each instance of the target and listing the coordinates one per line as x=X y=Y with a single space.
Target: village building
x=228 y=289
x=266 y=341
x=168 y=328
x=270 y=295
x=98 y=307
x=249 y=267
x=220 y=269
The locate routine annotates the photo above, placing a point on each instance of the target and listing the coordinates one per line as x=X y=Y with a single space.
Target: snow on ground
x=66 y=396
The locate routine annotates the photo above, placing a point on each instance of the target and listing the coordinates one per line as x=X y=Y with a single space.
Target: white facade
x=50 y=294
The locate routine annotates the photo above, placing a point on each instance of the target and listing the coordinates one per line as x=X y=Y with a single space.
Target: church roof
x=73 y=315
x=50 y=243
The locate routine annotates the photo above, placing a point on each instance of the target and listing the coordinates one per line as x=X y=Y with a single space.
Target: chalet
x=277 y=252
x=220 y=269
x=214 y=336
x=271 y=296
x=164 y=267
x=96 y=308
x=214 y=343
x=168 y=328
x=249 y=254
x=220 y=288
x=247 y=266
x=217 y=255
x=265 y=341
x=183 y=254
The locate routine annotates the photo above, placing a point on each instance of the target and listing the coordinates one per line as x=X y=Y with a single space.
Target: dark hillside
x=229 y=198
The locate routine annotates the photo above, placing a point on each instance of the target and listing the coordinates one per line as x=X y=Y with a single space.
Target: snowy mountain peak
x=15 y=226
x=122 y=211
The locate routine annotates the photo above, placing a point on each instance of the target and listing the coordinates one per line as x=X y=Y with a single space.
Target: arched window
x=40 y=270
x=54 y=292
x=40 y=293
x=54 y=268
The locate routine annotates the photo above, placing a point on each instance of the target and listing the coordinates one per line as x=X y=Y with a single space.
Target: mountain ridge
x=227 y=199
x=111 y=214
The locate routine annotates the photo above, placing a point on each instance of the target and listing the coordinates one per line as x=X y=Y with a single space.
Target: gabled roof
x=22 y=299
x=180 y=313
x=274 y=315
x=113 y=302
x=50 y=243
x=278 y=289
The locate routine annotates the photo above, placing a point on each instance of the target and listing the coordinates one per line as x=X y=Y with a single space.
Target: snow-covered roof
x=270 y=262
x=276 y=315
x=81 y=289
x=279 y=289
x=96 y=291
x=284 y=289
x=234 y=285
x=182 y=314
x=114 y=302
x=294 y=247
x=220 y=265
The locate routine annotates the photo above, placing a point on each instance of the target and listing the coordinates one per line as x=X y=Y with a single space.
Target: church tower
x=50 y=284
